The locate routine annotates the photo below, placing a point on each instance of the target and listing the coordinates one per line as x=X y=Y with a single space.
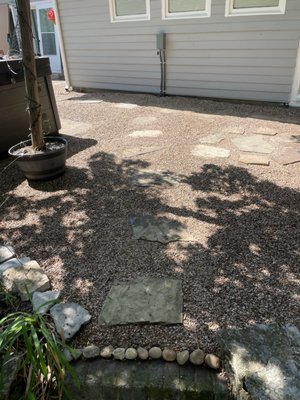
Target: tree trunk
x=30 y=76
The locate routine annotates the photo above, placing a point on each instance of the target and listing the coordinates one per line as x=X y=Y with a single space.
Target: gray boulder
x=263 y=361
x=68 y=318
x=42 y=302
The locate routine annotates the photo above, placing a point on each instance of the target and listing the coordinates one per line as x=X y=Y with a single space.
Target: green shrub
x=42 y=365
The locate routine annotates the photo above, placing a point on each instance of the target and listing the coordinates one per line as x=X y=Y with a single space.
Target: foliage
x=42 y=365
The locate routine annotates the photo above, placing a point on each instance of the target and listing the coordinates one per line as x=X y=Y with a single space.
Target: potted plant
x=40 y=157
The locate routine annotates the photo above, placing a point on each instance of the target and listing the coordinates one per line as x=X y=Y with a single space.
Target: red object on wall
x=51 y=15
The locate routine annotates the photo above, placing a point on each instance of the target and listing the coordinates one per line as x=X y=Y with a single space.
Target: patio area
x=224 y=178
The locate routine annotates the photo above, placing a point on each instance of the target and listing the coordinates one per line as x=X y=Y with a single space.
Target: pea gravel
x=244 y=267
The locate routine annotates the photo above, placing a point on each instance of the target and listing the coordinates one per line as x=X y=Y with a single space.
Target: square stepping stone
x=289 y=155
x=157 y=229
x=255 y=159
x=153 y=301
x=146 y=177
x=145 y=133
x=253 y=144
x=210 y=152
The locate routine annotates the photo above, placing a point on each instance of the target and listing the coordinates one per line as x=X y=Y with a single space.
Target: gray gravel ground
x=244 y=267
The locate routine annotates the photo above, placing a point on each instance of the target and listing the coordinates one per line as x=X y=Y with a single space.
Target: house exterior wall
x=240 y=57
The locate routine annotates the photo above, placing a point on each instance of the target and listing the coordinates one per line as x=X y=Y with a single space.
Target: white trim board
x=295 y=93
x=239 y=12
x=128 y=18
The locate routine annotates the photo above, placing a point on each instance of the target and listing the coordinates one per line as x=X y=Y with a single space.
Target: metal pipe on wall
x=62 y=47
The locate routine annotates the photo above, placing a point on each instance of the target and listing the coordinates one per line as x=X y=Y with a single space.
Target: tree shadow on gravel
x=77 y=227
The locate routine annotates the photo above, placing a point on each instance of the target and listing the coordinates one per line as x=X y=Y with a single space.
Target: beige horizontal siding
x=249 y=57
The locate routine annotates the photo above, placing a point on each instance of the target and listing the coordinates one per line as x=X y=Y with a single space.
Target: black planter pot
x=44 y=165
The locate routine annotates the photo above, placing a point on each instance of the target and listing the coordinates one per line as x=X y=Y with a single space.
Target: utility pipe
x=68 y=86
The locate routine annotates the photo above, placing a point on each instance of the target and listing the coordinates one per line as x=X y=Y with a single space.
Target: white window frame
x=128 y=18
x=188 y=14
x=233 y=12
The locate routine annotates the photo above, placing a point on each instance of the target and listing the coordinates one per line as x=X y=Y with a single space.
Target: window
x=254 y=7
x=175 y=9
x=129 y=10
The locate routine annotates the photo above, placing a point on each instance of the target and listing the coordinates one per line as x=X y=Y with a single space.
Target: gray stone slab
x=214 y=138
x=145 y=134
x=255 y=159
x=253 y=144
x=42 y=302
x=205 y=151
x=287 y=156
x=6 y=252
x=146 y=177
x=264 y=130
x=263 y=361
x=146 y=301
x=127 y=106
x=68 y=318
x=158 y=229
x=25 y=279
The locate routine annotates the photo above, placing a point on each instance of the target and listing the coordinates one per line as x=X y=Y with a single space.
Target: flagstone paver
x=127 y=106
x=146 y=301
x=262 y=130
x=204 y=151
x=213 y=138
x=253 y=143
x=255 y=159
x=144 y=120
x=287 y=156
x=158 y=229
x=146 y=133
x=145 y=177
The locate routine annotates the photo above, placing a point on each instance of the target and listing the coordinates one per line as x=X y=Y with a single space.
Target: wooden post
x=30 y=76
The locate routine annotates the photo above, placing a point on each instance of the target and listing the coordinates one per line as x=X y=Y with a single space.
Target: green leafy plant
x=41 y=364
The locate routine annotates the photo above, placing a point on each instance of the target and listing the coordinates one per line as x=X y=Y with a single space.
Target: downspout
x=68 y=86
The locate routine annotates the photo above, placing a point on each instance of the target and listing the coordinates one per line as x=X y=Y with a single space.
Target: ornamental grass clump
x=29 y=342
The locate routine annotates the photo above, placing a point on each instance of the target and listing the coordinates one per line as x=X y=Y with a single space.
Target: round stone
x=91 y=351
x=119 y=353
x=182 y=357
x=169 y=355
x=142 y=353
x=155 y=353
x=197 y=357
x=131 y=354
x=212 y=361
x=107 y=352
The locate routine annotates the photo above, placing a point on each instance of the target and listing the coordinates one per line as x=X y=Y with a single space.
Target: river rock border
x=196 y=357
x=13 y=269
